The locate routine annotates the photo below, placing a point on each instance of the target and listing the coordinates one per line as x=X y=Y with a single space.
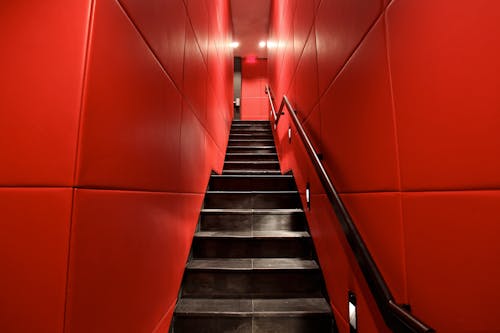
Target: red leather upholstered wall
x=254 y=104
x=113 y=114
x=401 y=97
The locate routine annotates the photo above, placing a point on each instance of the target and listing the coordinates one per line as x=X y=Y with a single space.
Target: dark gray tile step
x=251 y=183
x=238 y=121
x=253 y=264
x=251 y=165
x=243 y=278
x=251 y=142
x=251 y=150
x=251 y=172
x=256 y=244
x=276 y=234
x=250 y=129
x=243 y=283
x=252 y=219
x=252 y=199
x=251 y=157
x=282 y=307
x=255 y=135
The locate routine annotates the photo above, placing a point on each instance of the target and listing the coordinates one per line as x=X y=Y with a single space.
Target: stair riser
x=252 y=200
x=251 y=143
x=242 y=165
x=252 y=158
x=262 y=127
x=248 y=129
x=250 y=150
x=289 y=324
x=252 y=248
x=247 y=222
x=258 y=284
x=256 y=135
x=251 y=184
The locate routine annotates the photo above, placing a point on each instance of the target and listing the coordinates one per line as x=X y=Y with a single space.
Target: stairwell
x=252 y=266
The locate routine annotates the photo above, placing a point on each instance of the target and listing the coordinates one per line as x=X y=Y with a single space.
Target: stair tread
x=252 y=176
x=252 y=147
x=253 y=264
x=252 y=234
x=270 y=211
x=251 y=154
x=248 y=172
x=251 y=192
x=252 y=307
x=252 y=162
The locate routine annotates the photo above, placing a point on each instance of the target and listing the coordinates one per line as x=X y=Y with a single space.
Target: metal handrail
x=396 y=316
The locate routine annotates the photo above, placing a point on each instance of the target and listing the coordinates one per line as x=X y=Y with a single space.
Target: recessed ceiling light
x=262 y=44
x=272 y=44
x=235 y=44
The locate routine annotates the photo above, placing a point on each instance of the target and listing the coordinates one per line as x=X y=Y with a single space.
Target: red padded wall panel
x=35 y=225
x=195 y=75
x=378 y=217
x=137 y=132
x=452 y=251
x=199 y=20
x=192 y=153
x=445 y=75
x=340 y=26
x=306 y=80
x=42 y=63
x=357 y=122
x=411 y=81
x=163 y=24
x=128 y=251
x=131 y=125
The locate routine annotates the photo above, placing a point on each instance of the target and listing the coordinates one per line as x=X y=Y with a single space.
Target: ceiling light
x=235 y=44
x=272 y=45
x=262 y=44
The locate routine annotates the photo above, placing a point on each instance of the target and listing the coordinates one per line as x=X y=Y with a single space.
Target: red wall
x=401 y=97
x=112 y=114
x=254 y=103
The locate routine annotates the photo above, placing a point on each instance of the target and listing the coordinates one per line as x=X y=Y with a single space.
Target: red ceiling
x=250 y=24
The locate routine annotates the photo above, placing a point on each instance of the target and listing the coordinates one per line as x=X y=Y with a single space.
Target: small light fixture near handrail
x=397 y=318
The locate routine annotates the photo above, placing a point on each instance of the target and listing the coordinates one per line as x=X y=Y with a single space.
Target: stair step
x=251 y=172
x=251 y=165
x=252 y=219
x=242 y=278
x=250 y=122
x=251 y=129
x=252 y=264
x=251 y=157
x=275 y=234
x=251 y=149
x=303 y=315
x=282 y=307
x=252 y=244
x=251 y=182
x=252 y=199
x=251 y=142
x=247 y=135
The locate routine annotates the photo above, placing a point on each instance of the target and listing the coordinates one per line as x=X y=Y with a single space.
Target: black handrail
x=397 y=317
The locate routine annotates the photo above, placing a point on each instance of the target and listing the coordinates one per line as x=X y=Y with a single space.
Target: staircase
x=252 y=267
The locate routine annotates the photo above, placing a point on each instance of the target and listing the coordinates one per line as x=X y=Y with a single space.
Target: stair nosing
x=251 y=176
x=216 y=266
x=267 y=235
x=252 y=192
x=323 y=308
x=270 y=211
